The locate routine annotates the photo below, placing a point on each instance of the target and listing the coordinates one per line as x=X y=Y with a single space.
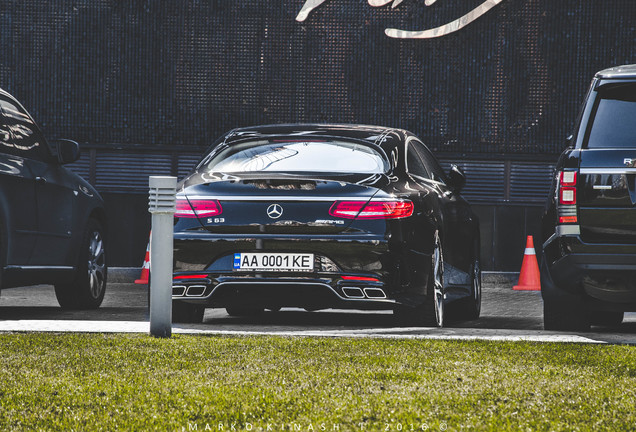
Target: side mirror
x=456 y=178
x=67 y=151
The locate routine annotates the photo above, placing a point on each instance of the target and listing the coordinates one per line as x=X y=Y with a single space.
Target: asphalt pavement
x=506 y=315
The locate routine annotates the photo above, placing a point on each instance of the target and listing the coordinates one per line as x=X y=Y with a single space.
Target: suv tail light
x=567 y=197
x=372 y=210
x=197 y=208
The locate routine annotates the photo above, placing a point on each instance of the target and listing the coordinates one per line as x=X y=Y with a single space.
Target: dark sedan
x=325 y=216
x=52 y=222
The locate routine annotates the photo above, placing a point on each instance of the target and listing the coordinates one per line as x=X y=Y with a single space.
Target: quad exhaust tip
x=359 y=293
x=353 y=292
x=188 y=291
x=375 y=293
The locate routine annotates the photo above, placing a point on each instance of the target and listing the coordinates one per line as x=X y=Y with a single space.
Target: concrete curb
x=72 y=326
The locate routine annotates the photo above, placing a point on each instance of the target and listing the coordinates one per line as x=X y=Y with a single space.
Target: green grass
x=138 y=383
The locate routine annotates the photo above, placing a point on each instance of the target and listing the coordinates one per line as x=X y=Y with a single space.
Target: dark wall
x=182 y=72
x=504 y=229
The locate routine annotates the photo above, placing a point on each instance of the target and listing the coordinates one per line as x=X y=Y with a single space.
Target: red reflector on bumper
x=195 y=276
x=568 y=219
x=361 y=278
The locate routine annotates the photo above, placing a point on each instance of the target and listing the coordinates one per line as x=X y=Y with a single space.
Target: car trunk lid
x=283 y=205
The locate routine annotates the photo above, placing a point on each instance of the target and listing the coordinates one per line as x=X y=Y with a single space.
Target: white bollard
x=162 y=206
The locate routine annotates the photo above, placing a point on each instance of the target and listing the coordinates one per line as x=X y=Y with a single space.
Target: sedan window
x=415 y=164
x=19 y=136
x=299 y=156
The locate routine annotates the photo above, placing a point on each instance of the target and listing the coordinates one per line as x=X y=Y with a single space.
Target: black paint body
x=44 y=208
x=593 y=263
x=396 y=252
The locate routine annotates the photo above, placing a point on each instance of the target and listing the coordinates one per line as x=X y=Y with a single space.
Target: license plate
x=274 y=262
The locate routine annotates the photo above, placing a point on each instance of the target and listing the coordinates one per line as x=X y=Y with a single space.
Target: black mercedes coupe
x=325 y=216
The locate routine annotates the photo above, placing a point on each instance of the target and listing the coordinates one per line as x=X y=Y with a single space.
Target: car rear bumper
x=350 y=272
x=270 y=293
x=604 y=272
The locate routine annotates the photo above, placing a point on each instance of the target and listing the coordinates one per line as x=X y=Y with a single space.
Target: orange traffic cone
x=529 y=278
x=145 y=269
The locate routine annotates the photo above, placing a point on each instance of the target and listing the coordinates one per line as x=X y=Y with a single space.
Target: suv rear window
x=299 y=156
x=614 y=122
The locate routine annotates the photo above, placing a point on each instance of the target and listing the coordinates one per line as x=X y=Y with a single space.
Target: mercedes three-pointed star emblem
x=274 y=211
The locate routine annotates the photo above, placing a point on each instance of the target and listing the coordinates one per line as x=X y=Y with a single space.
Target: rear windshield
x=614 y=123
x=299 y=156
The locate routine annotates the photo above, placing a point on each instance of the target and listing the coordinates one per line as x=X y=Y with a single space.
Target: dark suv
x=52 y=223
x=588 y=265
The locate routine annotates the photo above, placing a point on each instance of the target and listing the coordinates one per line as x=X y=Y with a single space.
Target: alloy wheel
x=438 y=279
x=96 y=264
x=477 y=286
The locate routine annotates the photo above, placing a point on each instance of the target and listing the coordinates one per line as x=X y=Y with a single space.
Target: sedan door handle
x=40 y=180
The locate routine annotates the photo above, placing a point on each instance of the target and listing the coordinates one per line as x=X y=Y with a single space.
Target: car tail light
x=197 y=208
x=567 y=197
x=568 y=178
x=371 y=210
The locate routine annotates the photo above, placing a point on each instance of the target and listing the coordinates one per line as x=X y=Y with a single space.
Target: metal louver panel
x=530 y=182
x=117 y=171
x=485 y=180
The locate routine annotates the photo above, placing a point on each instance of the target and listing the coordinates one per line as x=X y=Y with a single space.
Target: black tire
x=562 y=310
x=88 y=287
x=187 y=312
x=431 y=313
x=562 y=316
x=469 y=308
x=606 y=318
x=243 y=311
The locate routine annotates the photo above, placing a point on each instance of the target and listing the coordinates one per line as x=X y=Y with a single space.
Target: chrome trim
x=201 y=287
x=181 y=288
x=289 y=198
x=296 y=284
x=381 y=293
x=568 y=230
x=358 y=292
x=608 y=171
x=602 y=187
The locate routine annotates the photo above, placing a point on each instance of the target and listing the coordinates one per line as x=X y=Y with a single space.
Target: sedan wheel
x=96 y=264
x=469 y=308
x=89 y=285
x=438 y=282
x=432 y=312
